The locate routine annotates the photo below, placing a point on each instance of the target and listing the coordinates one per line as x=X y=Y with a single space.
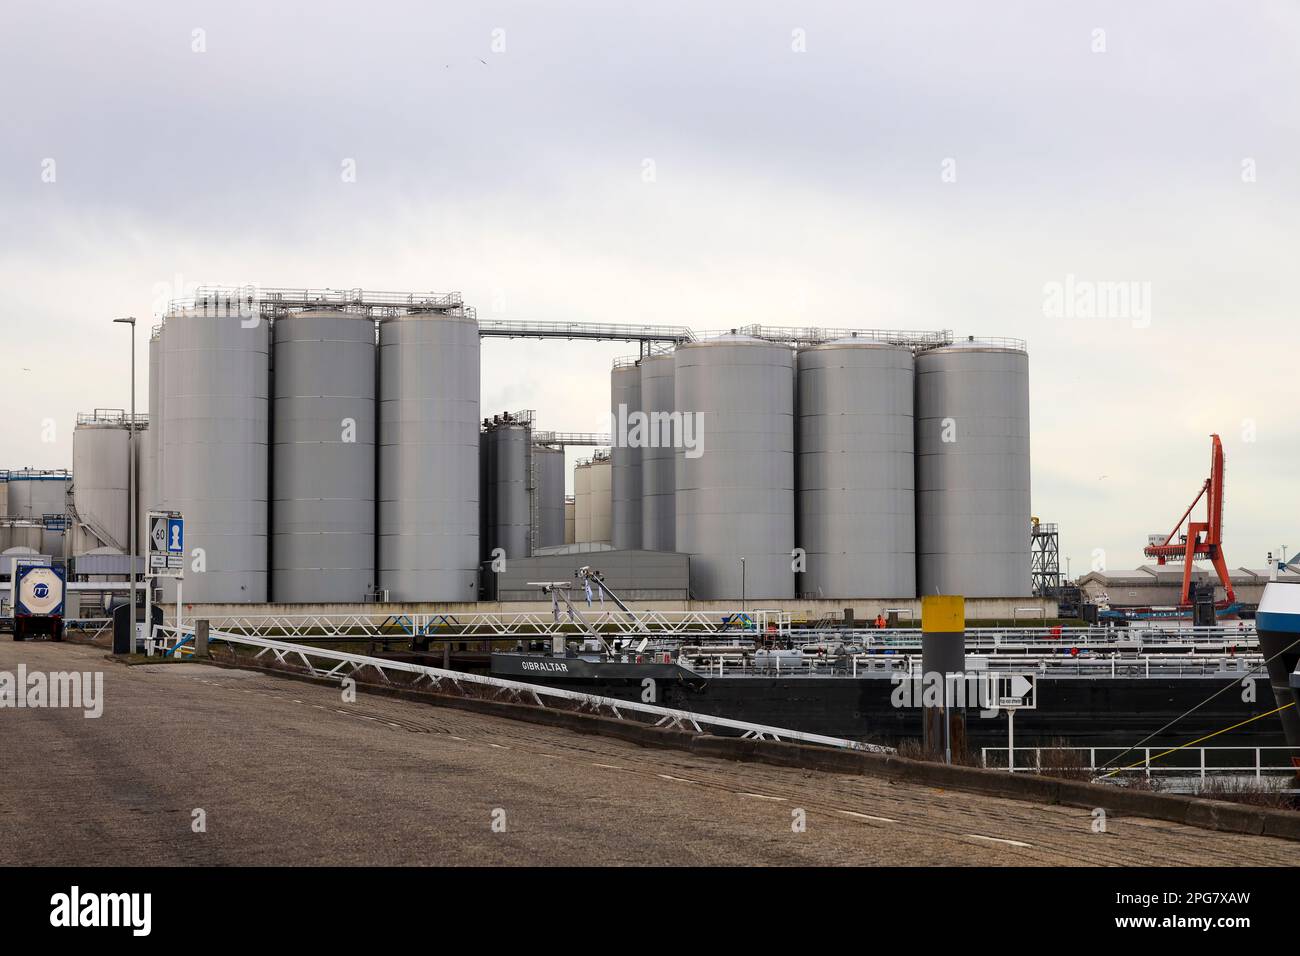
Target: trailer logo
x=62 y=689
x=41 y=590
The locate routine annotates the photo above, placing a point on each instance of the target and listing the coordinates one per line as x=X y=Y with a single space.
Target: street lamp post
x=131 y=482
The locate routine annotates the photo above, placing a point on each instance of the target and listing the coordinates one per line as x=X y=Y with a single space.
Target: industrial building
x=328 y=446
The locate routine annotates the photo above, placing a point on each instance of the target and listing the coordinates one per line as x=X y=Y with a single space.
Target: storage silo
x=20 y=495
x=101 y=447
x=323 y=457
x=972 y=470
x=52 y=542
x=582 y=502
x=658 y=462
x=428 y=457
x=510 y=458
x=735 y=485
x=4 y=494
x=34 y=492
x=215 y=398
x=148 y=474
x=27 y=536
x=625 y=456
x=569 y=519
x=856 y=470
x=602 y=503
x=548 y=464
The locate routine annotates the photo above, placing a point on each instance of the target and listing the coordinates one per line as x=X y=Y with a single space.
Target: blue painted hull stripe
x=1278 y=622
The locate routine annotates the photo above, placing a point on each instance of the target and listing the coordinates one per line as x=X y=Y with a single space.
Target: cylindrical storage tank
x=34 y=493
x=4 y=496
x=972 y=471
x=625 y=456
x=569 y=520
x=20 y=495
x=856 y=474
x=50 y=494
x=602 y=511
x=511 y=462
x=582 y=503
x=428 y=457
x=216 y=407
x=148 y=476
x=323 y=457
x=28 y=535
x=101 y=463
x=548 y=463
x=52 y=542
x=658 y=461
x=735 y=484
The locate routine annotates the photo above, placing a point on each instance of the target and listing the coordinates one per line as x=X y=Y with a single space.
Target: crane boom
x=1204 y=539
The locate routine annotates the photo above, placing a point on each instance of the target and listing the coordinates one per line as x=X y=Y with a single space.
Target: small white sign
x=1017 y=691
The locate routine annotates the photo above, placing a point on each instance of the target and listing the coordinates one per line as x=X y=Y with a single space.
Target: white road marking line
x=866 y=816
x=454 y=737
x=607 y=766
x=976 y=836
x=499 y=746
x=758 y=796
x=668 y=776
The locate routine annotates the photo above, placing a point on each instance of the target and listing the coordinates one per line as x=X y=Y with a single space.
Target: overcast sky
x=898 y=165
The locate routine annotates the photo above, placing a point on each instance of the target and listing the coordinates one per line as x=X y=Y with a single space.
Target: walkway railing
x=1197 y=762
x=337 y=665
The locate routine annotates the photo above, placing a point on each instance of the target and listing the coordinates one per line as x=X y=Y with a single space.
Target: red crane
x=1192 y=545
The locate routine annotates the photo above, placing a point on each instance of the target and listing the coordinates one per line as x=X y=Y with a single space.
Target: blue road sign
x=175 y=535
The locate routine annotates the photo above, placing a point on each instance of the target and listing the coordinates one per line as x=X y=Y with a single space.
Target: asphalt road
x=287 y=773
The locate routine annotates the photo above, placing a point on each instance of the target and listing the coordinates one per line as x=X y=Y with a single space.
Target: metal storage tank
x=856 y=470
x=19 y=497
x=4 y=495
x=101 y=445
x=548 y=464
x=602 y=511
x=582 y=503
x=625 y=457
x=972 y=470
x=52 y=542
x=510 y=513
x=428 y=457
x=34 y=493
x=215 y=400
x=569 y=520
x=735 y=499
x=27 y=536
x=658 y=461
x=323 y=457
x=148 y=475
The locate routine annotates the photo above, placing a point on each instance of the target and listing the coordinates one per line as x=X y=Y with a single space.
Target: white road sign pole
x=1011 y=740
